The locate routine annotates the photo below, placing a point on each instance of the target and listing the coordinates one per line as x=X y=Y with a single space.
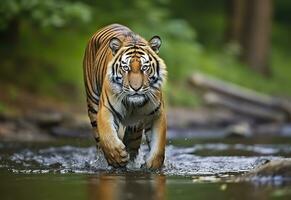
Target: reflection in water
x=244 y=191
x=128 y=186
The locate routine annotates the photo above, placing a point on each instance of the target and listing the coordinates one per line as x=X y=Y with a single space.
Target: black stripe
x=90 y=96
x=130 y=47
x=140 y=52
x=132 y=150
x=118 y=115
x=91 y=109
x=147 y=130
x=113 y=80
x=116 y=124
x=155 y=110
x=97 y=139
x=158 y=66
x=136 y=138
x=94 y=124
x=139 y=130
x=118 y=57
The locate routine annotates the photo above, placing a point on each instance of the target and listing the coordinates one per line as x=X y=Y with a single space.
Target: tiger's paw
x=115 y=153
x=155 y=161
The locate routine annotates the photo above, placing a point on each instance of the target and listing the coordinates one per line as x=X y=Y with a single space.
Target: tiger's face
x=137 y=73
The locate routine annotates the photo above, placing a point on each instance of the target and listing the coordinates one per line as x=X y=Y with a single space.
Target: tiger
x=124 y=79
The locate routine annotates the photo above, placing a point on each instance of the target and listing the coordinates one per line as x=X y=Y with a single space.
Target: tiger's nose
x=135 y=81
x=135 y=86
x=136 y=89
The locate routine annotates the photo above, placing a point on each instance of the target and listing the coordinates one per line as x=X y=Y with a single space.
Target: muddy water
x=200 y=170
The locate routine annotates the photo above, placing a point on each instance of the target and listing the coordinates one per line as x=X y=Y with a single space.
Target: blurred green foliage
x=55 y=13
x=2 y=107
x=47 y=58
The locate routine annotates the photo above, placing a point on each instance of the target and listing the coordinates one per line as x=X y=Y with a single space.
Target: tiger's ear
x=114 y=45
x=155 y=43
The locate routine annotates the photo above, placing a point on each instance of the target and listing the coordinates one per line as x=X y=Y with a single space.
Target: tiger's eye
x=145 y=67
x=125 y=68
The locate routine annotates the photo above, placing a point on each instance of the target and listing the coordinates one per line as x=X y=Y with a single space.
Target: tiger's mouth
x=136 y=94
x=136 y=98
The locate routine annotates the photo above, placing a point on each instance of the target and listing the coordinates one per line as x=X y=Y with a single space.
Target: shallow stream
x=194 y=169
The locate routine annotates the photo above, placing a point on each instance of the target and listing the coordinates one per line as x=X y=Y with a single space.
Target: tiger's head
x=136 y=72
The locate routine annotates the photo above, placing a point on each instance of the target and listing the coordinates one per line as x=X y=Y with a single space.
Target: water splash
x=179 y=160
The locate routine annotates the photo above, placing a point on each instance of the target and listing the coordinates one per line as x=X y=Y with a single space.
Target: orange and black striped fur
x=123 y=78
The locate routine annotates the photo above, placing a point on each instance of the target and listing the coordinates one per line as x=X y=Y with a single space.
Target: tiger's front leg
x=156 y=156
x=111 y=145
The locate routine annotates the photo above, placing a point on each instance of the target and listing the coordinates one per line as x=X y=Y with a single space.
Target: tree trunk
x=249 y=24
x=235 y=10
x=256 y=35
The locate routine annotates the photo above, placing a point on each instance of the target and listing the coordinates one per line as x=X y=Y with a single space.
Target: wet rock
x=273 y=168
x=239 y=130
x=275 y=172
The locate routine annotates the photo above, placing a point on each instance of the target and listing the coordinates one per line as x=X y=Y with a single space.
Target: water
x=74 y=170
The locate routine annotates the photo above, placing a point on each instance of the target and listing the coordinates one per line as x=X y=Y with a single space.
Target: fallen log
x=242 y=95
x=245 y=108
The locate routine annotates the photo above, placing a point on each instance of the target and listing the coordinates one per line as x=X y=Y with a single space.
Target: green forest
x=42 y=45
